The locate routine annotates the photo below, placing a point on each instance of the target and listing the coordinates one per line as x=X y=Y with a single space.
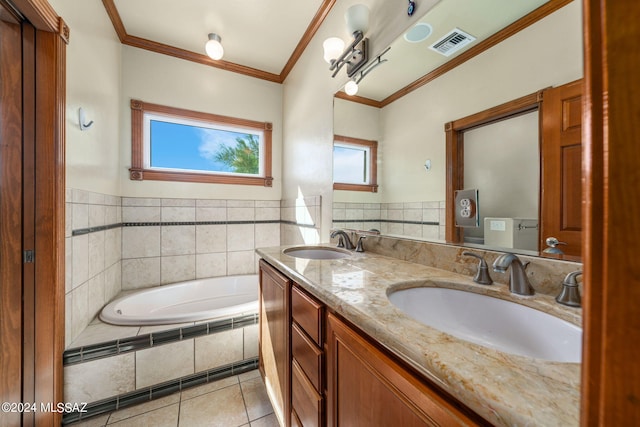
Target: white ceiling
x=263 y=34
x=259 y=34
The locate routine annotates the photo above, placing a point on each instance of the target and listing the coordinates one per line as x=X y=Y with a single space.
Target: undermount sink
x=317 y=252
x=492 y=322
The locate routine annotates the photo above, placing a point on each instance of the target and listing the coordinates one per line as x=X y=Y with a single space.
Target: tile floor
x=238 y=401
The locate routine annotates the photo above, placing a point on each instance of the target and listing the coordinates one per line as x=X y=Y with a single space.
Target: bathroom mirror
x=409 y=124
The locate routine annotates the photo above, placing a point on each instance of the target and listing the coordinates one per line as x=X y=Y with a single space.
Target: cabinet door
x=367 y=388
x=274 y=338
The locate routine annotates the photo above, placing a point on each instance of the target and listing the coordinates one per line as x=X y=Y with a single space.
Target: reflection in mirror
x=501 y=161
x=409 y=128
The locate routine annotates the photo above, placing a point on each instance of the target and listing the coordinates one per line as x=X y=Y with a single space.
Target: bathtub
x=190 y=301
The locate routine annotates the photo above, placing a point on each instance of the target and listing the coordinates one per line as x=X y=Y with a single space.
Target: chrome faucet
x=518 y=281
x=570 y=294
x=343 y=240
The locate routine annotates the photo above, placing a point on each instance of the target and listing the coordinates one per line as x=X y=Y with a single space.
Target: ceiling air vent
x=455 y=40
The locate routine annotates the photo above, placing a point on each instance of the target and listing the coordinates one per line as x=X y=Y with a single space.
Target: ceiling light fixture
x=213 y=47
x=355 y=55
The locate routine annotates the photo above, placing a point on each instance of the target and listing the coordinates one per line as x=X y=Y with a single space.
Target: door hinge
x=28 y=256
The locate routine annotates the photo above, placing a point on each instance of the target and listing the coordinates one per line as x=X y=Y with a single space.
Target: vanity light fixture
x=351 y=88
x=213 y=47
x=356 y=54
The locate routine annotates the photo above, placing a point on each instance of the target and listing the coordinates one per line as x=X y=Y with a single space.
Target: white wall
x=93 y=82
x=548 y=53
x=308 y=103
x=165 y=80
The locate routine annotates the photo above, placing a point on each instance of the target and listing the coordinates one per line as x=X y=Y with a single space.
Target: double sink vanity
x=364 y=338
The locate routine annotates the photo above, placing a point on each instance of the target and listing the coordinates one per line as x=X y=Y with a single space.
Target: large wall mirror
x=404 y=104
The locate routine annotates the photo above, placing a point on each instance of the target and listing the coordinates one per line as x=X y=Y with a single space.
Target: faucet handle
x=359 y=247
x=482 y=276
x=570 y=293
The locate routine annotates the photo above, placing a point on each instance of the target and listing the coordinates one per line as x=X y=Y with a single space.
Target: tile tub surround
x=174 y=240
x=115 y=243
x=424 y=220
x=93 y=240
x=104 y=370
x=504 y=389
x=300 y=220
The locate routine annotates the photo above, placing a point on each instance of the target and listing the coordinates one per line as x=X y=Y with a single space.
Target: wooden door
x=561 y=174
x=274 y=348
x=11 y=128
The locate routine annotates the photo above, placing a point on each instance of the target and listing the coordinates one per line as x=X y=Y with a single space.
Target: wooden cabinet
x=274 y=338
x=354 y=383
x=307 y=364
x=365 y=387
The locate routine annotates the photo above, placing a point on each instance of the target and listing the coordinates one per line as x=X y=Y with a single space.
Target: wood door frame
x=43 y=281
x=455 y=150
x=611 y=350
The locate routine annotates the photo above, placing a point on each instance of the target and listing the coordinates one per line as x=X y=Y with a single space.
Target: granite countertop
x=505 y=389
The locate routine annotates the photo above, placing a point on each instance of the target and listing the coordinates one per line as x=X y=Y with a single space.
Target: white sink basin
x=492 y=322
x=317 y=252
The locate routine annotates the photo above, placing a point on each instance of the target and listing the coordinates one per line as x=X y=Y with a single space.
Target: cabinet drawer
x=306 y=403
x=308 y=356
x=307 y=312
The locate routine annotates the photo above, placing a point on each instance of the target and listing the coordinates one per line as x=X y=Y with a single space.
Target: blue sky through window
x=349 y=164
x=180 y=146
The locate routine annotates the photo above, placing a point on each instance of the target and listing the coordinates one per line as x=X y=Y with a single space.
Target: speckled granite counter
x=505 y=389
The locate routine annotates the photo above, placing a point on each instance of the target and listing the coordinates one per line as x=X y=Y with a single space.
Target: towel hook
x=81 y=120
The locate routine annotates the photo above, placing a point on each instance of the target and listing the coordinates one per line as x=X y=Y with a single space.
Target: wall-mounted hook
x=81 y=120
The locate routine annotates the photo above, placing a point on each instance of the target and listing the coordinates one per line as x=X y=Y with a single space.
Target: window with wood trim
x=354 y=164
x=173 y=144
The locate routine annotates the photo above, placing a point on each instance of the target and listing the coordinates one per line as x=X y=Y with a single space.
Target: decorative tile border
x=160 y=390
x=87 y=353
x=391 y=221
x=81 y=231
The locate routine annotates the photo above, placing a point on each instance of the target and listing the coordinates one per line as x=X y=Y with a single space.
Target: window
x=354 y=164
x=171 y=144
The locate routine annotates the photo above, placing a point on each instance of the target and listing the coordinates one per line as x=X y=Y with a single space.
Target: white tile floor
x=238 y=401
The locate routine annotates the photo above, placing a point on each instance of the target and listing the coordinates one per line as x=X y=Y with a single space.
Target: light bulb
x=214 y=47
x=351 y=88
x=357 y=18
x=333 y=47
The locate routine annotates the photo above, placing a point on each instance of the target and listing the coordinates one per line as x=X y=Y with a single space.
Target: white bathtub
x=185 y=302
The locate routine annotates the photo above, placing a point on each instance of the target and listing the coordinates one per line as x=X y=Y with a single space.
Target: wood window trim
x=373 y=172
x=455 y=150
x=137 y=171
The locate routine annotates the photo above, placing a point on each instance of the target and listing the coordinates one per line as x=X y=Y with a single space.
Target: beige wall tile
x=178 y=240
x=242 y=262
x=177 y=268
x=163 y=363
x=99 y=379
x=211 y=265
x=240 y=237
x=250 y=341
x=80 y=265
x=140 y=273
x=218 y=349
x=141 y=214
x=140 y=242
x=211 y=238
